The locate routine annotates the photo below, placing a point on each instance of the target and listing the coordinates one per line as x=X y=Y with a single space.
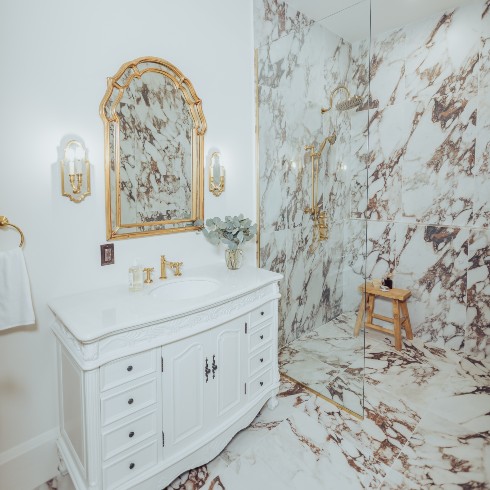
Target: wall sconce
x=216 y=175
x=75 y=171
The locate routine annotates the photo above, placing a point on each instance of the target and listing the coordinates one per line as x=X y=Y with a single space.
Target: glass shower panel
x=313 y=101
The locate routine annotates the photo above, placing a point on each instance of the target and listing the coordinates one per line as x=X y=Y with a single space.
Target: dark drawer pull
x=131 y=434
x=261 y=337
x=129 y=368
x=130 y=401
x=131 y=466
x=262 y=313
x=261 y=359
x=261 y=383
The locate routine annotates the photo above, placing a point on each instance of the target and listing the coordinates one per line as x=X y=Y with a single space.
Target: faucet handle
x=148 y=271
x=176 y=266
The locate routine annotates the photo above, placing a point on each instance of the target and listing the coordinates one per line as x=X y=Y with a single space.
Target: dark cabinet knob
x=261 y=383
x=262 y=313
x=261 y=359
x=131 y=466
x=261 y=337
x=129 y=368
x=130 y=401
x=131 y=434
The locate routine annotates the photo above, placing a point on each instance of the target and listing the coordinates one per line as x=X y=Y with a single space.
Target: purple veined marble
x=406 y=186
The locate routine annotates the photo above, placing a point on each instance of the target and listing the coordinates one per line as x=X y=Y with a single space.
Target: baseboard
x=30 y=464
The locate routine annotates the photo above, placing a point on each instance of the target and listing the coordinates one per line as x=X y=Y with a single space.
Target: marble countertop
x=98 y=313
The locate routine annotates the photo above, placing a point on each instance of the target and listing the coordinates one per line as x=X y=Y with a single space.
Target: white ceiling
x=350 y=18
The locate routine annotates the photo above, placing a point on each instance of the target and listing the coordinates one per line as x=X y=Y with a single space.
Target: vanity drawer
x=261 y=382
x=261 y=336
x=260 y=314
x=118 y=473
x=123 y=437
x=128 y=401
x=126 y=369
x=260 y=360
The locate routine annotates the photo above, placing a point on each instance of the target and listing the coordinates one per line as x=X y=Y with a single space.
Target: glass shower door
x=312 y=93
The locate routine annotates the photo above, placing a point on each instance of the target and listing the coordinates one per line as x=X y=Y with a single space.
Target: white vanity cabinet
x=142 y=402
x=202 y=384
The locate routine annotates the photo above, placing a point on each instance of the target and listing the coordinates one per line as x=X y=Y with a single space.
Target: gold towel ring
x=5 y=222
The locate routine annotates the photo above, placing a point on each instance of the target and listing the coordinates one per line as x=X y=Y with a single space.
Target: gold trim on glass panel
x=323 y=397
x=257 y=153
x=117 y=85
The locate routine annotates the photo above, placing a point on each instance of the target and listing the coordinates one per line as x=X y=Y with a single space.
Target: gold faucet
x=175 y=266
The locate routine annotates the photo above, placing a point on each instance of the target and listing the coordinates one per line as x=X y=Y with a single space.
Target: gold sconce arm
x=216 y=175
x=75 y=171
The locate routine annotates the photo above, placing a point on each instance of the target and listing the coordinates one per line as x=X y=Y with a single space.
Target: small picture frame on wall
x=107 y=254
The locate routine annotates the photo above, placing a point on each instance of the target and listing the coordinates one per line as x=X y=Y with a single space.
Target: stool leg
x=396 y=325
x=370 y=308
x=406 y=323
x=360 y=315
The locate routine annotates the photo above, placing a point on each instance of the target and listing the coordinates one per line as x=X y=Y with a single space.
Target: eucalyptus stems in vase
x=232 y=232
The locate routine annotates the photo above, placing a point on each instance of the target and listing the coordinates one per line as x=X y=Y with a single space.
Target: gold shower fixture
x=346 y=104
x=320 y=226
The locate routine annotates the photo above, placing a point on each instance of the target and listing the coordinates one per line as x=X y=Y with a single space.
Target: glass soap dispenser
x=135 y=277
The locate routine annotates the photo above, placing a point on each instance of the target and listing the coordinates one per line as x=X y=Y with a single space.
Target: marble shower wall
x=299 y=64
x=428 y=185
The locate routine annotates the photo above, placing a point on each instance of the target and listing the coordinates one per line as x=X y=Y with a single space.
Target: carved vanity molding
x=143 y=401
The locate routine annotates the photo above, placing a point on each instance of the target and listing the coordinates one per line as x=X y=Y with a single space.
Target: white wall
x=56 y=55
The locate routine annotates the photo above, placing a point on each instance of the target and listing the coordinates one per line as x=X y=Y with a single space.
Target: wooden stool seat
x=398 y=298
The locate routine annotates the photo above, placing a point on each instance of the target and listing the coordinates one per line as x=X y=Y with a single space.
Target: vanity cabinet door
x=184 y=387
x=228 y=367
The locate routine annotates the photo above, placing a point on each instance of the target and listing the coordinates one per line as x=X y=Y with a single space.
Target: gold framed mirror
x=154 y=150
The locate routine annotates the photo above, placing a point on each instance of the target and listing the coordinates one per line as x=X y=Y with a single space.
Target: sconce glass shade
x=216 y=175
x=75 y=171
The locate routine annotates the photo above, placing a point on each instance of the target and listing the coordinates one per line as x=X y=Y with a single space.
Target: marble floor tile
x=441 y=454
x=319 y=358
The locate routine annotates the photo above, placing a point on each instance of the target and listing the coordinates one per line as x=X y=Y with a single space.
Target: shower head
x=346 y=104
x=350 y=103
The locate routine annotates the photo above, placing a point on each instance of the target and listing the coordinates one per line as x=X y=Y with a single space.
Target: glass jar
x=234 y=258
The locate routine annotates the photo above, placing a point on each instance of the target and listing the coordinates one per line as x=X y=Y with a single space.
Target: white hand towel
x=15 y=292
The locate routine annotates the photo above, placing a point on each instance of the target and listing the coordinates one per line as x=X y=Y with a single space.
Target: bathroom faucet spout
x=175 y=266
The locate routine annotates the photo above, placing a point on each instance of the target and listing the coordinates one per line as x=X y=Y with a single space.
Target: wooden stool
x=399 y=302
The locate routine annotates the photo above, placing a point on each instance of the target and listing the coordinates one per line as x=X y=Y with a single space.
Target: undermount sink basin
x=184 y=288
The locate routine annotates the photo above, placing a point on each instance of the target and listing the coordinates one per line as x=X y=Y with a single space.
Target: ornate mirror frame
x=116 y=87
